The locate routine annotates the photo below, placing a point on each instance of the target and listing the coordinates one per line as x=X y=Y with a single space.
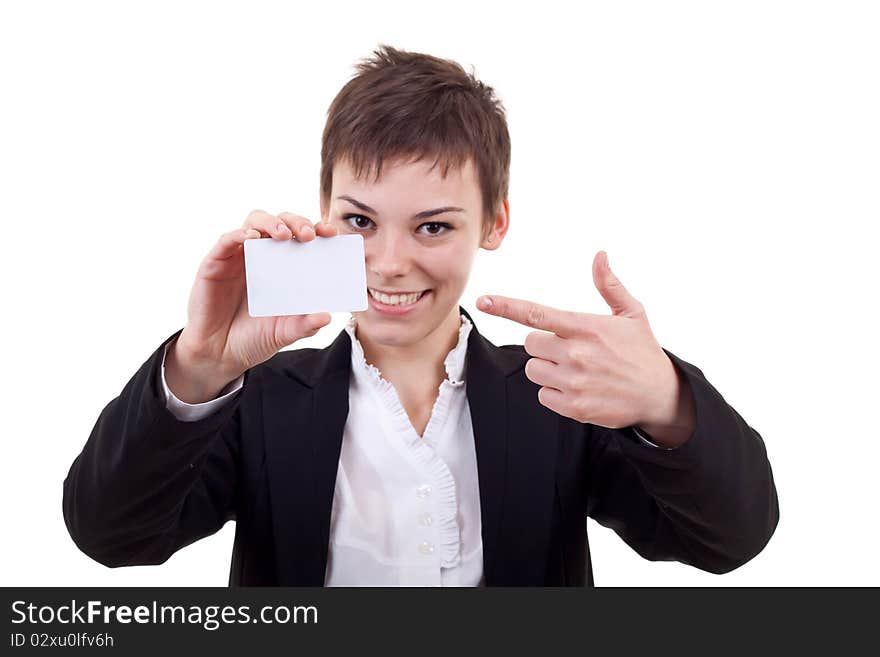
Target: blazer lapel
x=515 y=439
x=305 y=406
x=486 y=382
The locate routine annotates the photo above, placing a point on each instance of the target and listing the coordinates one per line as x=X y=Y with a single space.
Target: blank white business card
x=287 y=277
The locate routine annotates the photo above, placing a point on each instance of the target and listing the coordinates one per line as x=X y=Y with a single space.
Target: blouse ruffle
x=420 y=447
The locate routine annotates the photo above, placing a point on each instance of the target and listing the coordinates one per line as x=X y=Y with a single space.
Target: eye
x=436 y=228
x=359 y=221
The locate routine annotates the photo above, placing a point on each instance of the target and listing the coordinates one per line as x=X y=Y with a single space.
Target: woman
x=413 y=451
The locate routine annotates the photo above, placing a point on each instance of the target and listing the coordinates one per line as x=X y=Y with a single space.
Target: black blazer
x=146 y=485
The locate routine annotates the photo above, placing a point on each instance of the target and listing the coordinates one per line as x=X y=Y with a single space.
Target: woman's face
x=421 y=232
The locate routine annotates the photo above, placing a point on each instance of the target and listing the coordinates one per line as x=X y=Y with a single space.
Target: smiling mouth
x=397 y=298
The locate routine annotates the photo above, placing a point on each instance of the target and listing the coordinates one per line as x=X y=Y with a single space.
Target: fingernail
x=484 y=303
x=280 y=227
x=309 y=229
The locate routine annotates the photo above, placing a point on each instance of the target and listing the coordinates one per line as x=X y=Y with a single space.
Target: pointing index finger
x=562 y=322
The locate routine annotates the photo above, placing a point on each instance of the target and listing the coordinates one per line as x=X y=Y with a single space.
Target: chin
x=397 y=332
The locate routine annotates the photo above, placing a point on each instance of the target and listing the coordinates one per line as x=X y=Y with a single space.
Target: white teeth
x=395 y=299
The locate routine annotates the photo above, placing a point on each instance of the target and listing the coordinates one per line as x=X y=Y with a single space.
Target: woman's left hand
x=605 y=370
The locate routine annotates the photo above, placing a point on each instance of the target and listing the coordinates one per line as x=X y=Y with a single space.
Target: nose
x=388 y=256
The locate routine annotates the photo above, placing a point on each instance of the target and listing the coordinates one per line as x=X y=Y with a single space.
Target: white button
x=426 y=548
x=423 y=491
x=426 y=519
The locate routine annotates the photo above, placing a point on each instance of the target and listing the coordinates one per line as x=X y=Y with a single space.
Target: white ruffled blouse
x=406 y=508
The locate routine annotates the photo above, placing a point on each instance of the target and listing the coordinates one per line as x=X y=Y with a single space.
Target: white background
x=726 y=155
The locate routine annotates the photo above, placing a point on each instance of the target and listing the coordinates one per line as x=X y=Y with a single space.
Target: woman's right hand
x=221 y=340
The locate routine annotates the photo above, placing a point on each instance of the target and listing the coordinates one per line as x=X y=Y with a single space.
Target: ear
x=495 y=234
x=323 y=207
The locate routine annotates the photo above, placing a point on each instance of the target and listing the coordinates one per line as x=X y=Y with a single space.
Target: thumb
x=296 y=327
x=315 y=321
x=621 y=302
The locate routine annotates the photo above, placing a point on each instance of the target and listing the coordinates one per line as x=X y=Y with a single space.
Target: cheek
x=450 y=268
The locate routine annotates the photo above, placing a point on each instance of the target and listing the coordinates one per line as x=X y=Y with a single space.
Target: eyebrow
x=424 y=214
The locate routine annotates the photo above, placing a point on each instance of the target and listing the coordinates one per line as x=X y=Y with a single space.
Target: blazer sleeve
x=147 y=484
x=710 y=503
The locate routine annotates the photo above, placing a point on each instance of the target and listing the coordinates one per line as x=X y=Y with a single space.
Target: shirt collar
x=453 y=363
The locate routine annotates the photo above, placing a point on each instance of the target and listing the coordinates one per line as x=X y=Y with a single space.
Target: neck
x=419 y=365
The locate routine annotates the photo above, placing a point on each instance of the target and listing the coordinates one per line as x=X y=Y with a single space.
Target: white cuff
x=193 y=412
x=644 y=438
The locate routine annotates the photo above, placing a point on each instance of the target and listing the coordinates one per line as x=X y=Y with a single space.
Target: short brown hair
x=407 y=104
